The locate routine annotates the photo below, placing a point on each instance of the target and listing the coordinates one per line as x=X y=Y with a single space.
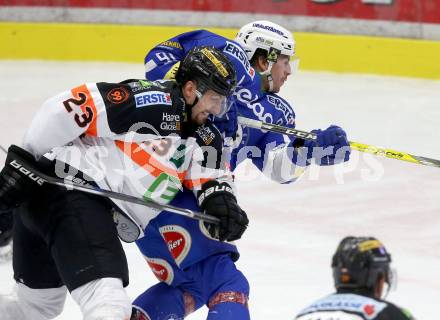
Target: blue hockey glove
x=17 y=179
x=217 y=199
x=331 y=147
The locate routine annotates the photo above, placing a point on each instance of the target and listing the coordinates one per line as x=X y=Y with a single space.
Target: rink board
x=124 y=43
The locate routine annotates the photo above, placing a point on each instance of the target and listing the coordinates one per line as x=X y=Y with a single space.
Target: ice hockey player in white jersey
x=361 y=270
x=195 y=269
x=137 y=137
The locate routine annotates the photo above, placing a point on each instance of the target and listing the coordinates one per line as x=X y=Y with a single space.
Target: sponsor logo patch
x=117 y=95
x=206 y=134
x=172 y=44
x=269 y=28
x=369 y=309
x=140 y=85
x=152 y=98
x=178 y=241
x=279 y=104
x=220 y=68
x=170 y=122
x=161 y=269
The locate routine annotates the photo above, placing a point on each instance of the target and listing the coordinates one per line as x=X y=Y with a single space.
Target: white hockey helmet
x=268 y=36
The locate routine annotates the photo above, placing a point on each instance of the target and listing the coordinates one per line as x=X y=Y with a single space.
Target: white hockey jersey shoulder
x=129 y=137
x=343 y=307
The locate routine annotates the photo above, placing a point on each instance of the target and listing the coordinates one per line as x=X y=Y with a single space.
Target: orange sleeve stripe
x=146 y=160
x=92 y=129
x=191 y=184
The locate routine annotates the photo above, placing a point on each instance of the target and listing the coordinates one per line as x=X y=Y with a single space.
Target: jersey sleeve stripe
x=146 y=160
x=91 y=130
x=193 y=183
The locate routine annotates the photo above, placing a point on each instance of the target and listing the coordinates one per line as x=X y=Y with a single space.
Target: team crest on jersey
x=117 y=95
x=237 y=52
x=161 y=269
x=279 y=104
x=178 y=241
x=149 y=98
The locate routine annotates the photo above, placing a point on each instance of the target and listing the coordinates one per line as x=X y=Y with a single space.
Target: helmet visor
x=214 y=103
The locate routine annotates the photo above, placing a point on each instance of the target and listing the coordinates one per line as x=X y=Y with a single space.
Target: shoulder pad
x=154 y=105
x=286 y=113
x=351 y=303
x=239 y=58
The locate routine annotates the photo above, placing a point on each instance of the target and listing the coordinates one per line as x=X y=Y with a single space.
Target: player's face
x=280 y=71
x=209 y=103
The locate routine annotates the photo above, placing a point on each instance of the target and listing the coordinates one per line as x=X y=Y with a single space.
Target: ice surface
x=295 y=228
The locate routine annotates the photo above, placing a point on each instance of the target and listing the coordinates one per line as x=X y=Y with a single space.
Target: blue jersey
x=186 y=240
x=162 y=61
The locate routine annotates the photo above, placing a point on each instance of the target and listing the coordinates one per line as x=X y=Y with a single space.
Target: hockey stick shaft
x=361 y=147
x=124 y=197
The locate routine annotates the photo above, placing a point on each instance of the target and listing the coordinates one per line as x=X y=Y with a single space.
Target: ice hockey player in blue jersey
x=361 y=269
x=194 y=268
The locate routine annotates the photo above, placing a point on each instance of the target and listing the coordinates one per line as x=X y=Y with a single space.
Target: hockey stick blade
x=361 y=147
x=124 y=197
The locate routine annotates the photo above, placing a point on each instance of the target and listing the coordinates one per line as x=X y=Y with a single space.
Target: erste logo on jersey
x=237 y=52
x=284 y=108
x=149 y=98
x=178 y=241
x=161 y=269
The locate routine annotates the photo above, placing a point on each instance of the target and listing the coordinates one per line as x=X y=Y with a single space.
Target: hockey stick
x=361 y=147
x=124 y=197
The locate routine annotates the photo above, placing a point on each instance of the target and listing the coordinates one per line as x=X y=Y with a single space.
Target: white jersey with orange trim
x=130 y=137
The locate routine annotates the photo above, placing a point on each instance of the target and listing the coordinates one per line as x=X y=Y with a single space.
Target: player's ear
x=189 y=91
x=261 y=63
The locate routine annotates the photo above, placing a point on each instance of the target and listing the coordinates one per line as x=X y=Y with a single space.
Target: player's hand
x=331 y=146
x=217 y=199
x=17 y=179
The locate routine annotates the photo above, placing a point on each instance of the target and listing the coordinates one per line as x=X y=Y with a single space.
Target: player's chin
x=276 y=89
x=201 y=118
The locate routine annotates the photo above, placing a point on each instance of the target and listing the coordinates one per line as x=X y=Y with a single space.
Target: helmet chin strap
x=189 y=106
x=272 y=57
x=268 y=75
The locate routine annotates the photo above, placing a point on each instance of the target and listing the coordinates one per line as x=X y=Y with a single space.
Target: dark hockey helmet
x=209 y=67
x=359 y=262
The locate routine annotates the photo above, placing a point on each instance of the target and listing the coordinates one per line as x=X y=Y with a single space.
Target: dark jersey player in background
x=361 y=270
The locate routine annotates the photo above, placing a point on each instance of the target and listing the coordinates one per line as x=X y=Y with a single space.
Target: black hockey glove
x=6 y=222
x=217 y=199
x=17 y=179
